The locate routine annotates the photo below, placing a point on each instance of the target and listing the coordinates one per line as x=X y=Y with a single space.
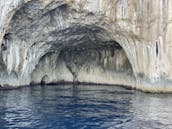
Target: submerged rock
x=124 y=42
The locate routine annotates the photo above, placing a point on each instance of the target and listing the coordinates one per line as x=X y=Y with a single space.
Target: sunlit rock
x=125 y=42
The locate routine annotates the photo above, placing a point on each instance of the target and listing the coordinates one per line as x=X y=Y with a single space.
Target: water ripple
x=84 y=107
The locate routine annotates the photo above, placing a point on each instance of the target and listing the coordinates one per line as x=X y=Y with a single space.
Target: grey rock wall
x=124 y=42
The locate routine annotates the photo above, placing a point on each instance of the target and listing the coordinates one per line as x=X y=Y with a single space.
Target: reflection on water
x=78 y=107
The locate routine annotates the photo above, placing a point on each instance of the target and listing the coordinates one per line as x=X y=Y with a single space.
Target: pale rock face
x=126 y=42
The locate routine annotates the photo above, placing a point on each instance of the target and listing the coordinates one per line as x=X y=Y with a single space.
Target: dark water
x=84 y=107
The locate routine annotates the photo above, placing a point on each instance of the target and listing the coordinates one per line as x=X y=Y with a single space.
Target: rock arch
x=33 y=34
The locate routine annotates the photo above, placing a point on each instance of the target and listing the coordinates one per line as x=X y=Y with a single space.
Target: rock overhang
x=39 y=28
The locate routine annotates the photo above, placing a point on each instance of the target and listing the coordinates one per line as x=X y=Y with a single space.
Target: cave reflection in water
x=84 y=107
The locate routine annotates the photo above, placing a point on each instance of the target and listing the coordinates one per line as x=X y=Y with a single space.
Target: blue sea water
x=84 y=107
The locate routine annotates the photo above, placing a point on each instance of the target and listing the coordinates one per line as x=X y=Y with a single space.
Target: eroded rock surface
x=124 y=42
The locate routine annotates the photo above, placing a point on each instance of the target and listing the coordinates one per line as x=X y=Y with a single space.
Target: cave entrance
x=79 y=47
x=80 y=55
x=103 y=63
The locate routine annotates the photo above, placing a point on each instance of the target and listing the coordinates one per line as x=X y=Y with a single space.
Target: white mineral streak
x=143 y=28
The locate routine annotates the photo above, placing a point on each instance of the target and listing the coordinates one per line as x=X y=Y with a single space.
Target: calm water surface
x=84 y=107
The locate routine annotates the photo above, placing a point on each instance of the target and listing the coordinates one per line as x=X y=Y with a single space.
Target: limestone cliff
x=124 y=42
